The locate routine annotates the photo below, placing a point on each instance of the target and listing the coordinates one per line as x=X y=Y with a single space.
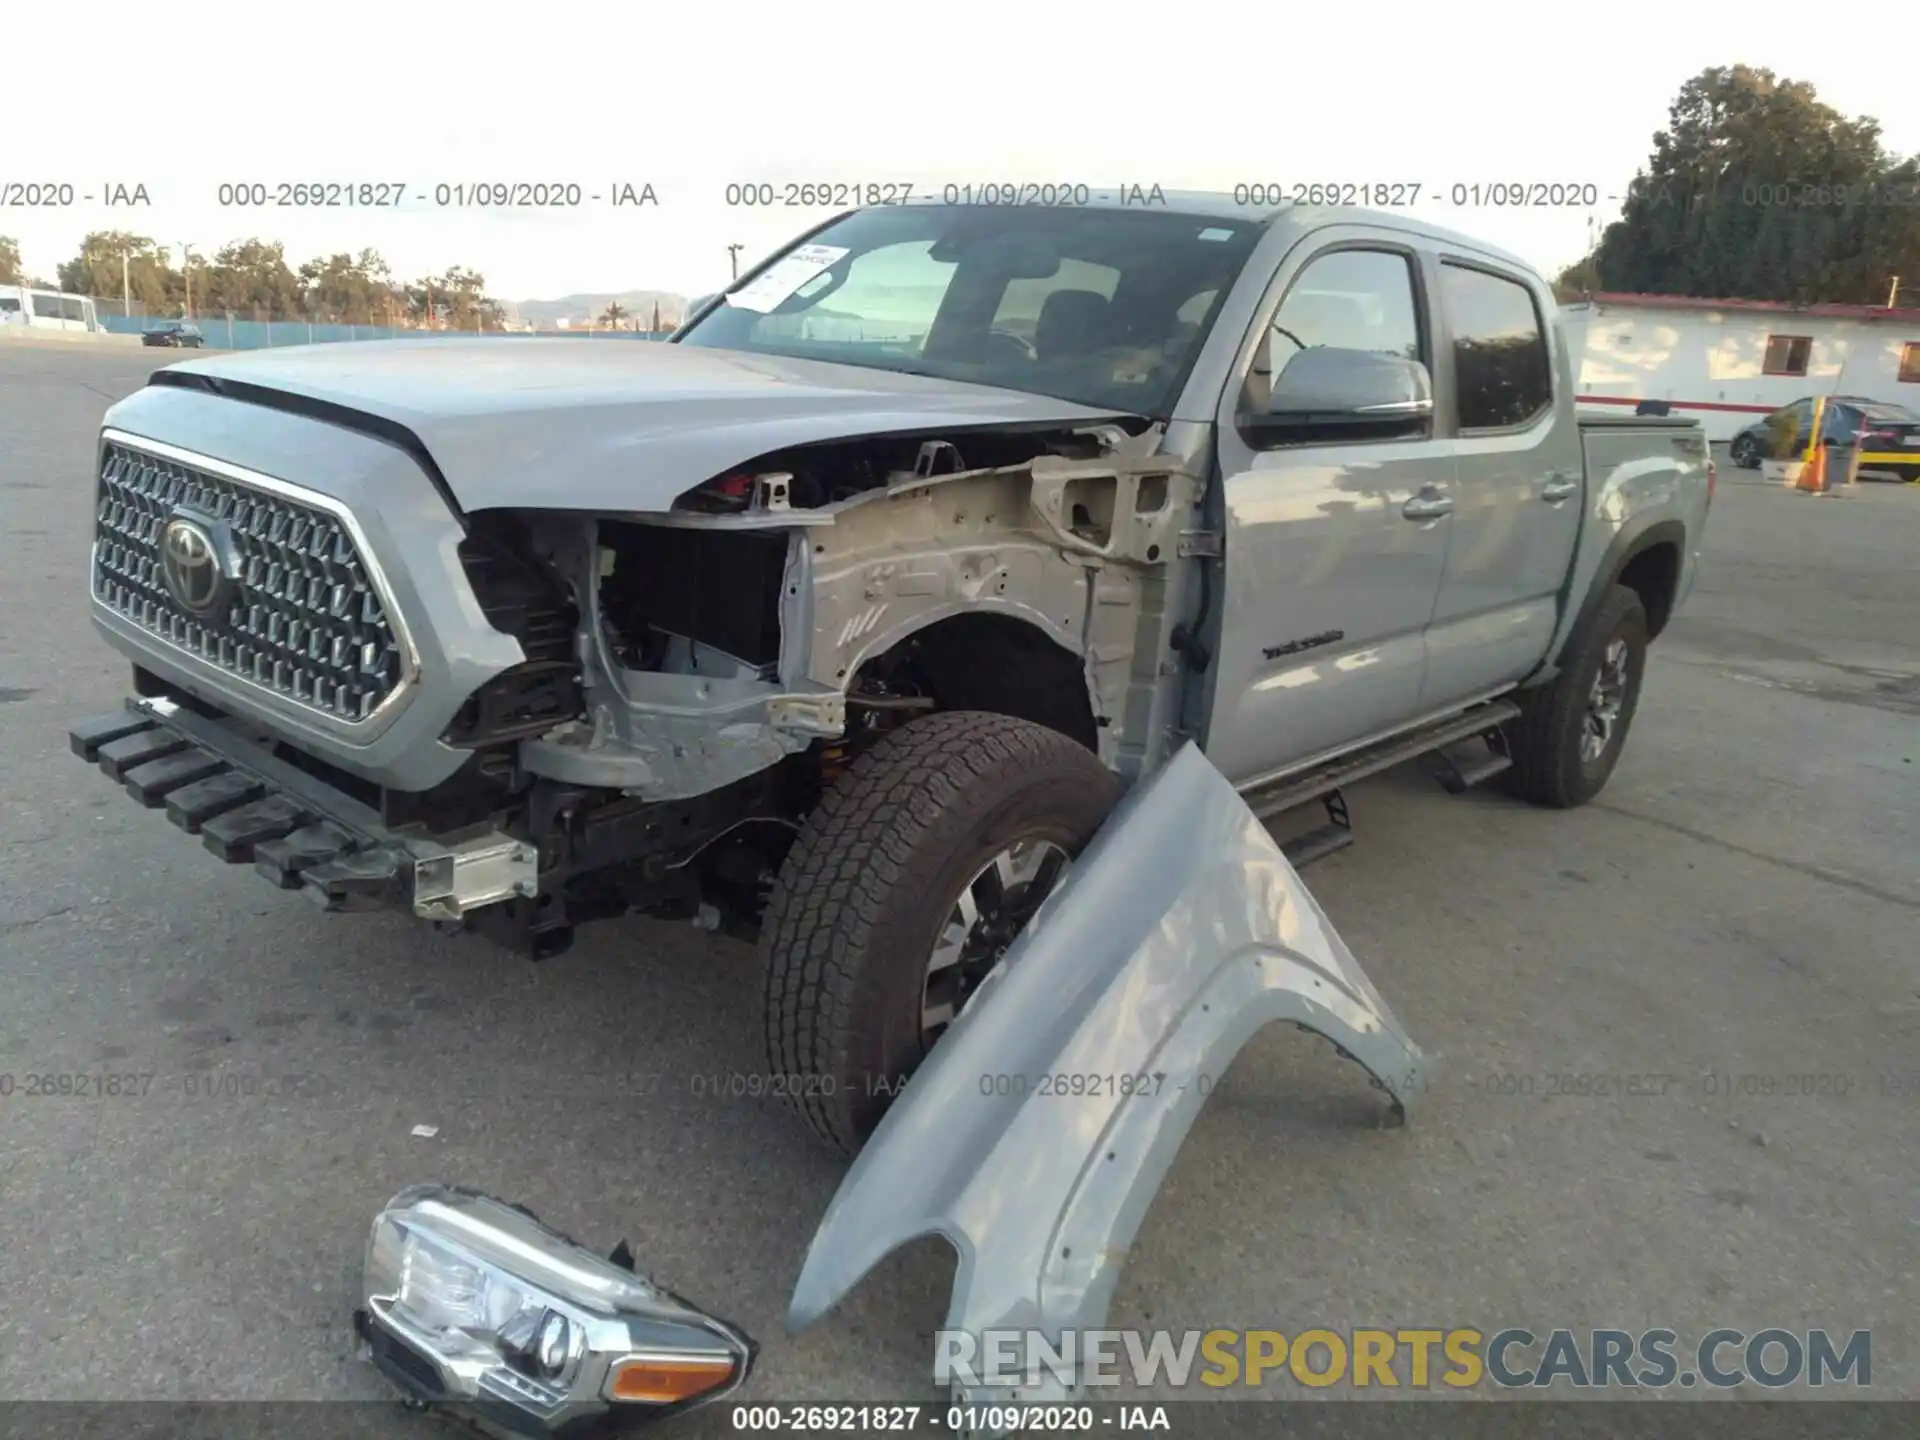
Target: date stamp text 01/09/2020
x=1809 y=1085
x=49 y=193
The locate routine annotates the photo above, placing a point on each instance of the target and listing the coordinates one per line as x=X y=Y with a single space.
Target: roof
x=1216 y=204
x=1220 y=204
x=1822 y=310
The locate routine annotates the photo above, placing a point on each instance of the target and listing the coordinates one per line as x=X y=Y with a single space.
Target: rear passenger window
x=1502 y=374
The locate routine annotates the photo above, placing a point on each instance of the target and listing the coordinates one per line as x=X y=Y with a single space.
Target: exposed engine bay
x=693 y=680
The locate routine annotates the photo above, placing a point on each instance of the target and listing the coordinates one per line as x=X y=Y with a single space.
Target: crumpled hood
x=604 y=424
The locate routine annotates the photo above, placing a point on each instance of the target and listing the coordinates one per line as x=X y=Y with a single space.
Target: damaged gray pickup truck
x=845 y=618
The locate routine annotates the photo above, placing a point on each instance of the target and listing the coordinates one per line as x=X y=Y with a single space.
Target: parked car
x=1888 y=434
x=848 y=636
x=179 y=333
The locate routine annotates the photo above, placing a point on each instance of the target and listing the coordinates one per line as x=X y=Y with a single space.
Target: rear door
x=1518 y=486
x=1333 y=549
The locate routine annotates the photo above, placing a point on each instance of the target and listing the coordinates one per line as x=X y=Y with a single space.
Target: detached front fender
x=1038 y=1131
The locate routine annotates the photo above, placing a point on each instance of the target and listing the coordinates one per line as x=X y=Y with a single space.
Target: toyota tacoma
x=844 y=618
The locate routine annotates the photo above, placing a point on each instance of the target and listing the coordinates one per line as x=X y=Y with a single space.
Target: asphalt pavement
x=1738 y=912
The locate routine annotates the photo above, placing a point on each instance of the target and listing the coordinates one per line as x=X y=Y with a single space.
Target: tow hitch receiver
x=1180 y=933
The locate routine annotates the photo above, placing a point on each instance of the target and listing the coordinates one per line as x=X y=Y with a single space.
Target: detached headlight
x=475 y=1305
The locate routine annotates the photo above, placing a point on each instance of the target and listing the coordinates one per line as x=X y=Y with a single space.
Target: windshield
x=1104 y=307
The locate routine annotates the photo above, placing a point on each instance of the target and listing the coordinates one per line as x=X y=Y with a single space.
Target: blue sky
x=1203 y=95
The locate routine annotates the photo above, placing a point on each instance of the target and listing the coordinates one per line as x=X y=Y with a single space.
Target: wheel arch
x=1648 y=560
x=997 y=661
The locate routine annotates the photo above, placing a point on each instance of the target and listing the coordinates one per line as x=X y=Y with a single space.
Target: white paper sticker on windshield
x=1215 y=233
x=785 y=276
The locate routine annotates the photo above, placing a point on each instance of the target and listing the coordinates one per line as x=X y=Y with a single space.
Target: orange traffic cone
x=1813 y=475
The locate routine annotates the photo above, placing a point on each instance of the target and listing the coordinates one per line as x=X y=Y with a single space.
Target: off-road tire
x=1544 y=741
x=872 y=877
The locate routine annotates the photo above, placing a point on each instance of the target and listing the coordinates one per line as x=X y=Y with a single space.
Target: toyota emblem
x=190 y=562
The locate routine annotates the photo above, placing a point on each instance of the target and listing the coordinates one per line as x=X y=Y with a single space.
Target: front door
x=1334 y=549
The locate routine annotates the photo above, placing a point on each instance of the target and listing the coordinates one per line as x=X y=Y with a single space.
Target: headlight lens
x=472 y=1301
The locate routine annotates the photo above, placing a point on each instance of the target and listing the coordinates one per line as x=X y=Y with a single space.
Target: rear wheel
x=1570 y=733
x=906 y=886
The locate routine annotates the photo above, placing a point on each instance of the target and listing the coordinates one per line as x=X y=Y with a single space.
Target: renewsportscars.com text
x=1460 y=1358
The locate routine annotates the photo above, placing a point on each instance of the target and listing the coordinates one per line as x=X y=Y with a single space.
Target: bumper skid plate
x=248 y=806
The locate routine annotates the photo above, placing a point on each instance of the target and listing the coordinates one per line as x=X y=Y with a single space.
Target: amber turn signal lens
x=665 y=1379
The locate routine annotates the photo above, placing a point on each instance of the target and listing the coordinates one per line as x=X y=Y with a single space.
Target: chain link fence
x=229 y=330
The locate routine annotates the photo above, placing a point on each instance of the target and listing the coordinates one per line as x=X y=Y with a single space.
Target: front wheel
x=1570 y=733
x=906 y=885
x=1744 y=452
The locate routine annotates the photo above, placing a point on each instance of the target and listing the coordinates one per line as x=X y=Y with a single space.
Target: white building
x=1728 y=362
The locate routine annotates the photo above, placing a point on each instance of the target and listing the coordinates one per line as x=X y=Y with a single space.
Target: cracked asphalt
x=1739 y=913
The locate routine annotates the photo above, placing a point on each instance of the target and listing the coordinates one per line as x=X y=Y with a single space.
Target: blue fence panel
x=221 y=333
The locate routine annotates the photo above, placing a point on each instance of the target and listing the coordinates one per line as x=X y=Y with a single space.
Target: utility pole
x=733 y=254
x=126 y=289
x=186 y=267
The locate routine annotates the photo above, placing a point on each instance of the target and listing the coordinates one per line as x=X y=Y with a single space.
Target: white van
x=47 y=309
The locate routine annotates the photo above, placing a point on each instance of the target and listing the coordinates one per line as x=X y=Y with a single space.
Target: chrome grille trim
x=314 y=625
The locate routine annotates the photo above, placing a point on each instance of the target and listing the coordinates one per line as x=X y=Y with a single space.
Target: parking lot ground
x=1737 y=913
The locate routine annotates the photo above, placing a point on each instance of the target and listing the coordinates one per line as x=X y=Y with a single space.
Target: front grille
x=304 y=619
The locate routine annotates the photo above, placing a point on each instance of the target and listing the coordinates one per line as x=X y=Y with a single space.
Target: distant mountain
x=578 y=309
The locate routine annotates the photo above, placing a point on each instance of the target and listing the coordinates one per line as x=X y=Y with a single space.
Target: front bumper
x=247 y=804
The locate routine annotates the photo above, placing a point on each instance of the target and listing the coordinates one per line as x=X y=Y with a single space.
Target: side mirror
x=1327 y=388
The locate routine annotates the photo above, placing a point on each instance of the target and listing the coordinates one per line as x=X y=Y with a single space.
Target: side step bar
x=1458 y=773
x=1323 y=840
x=1291 y=790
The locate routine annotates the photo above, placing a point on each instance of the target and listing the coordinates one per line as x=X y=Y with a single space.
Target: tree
x=252 y=280
x=614 y=314
x=348 y=289
x=10 y=271
x=249 y=278
x=1758 y=190
x=147 y=278
x=1578 y=279
x=455 y=299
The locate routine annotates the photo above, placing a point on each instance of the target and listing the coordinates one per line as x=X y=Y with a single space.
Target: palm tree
x=614 y=314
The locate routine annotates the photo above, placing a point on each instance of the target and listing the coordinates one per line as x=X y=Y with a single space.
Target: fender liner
x=1180 y=933
x=1619 y=554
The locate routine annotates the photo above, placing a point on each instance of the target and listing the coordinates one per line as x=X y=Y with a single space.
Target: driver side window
x=1349 y=299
